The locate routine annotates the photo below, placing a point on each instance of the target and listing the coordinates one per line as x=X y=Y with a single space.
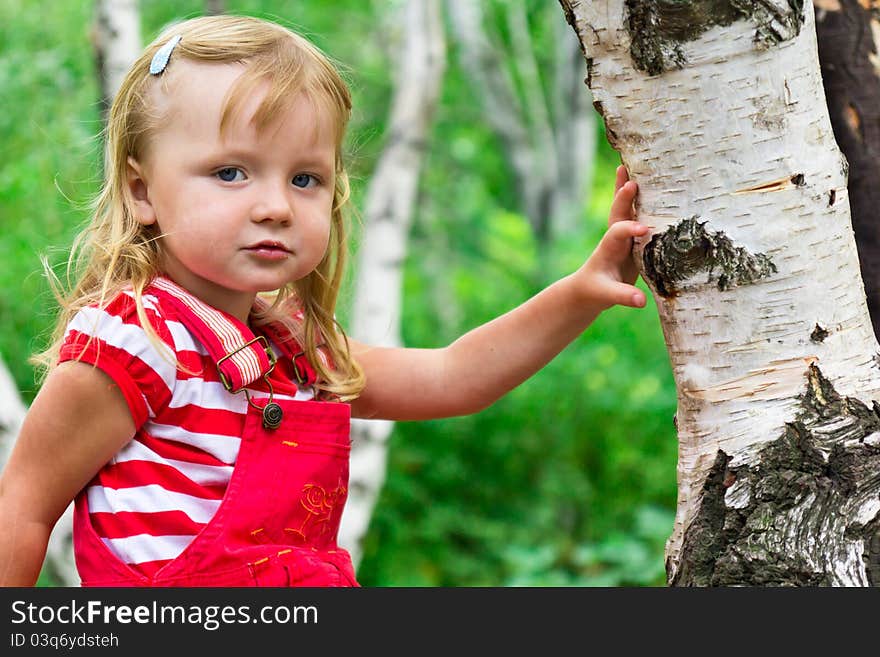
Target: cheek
x=320 y=223
x=326 y=229
x=193 y=239
x=327 y=233
x=319 y=242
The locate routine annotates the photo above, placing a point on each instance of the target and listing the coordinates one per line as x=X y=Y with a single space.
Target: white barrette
x=160 y=59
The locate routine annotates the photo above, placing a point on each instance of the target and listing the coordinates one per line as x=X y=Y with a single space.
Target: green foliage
x=47 y=129
x=569 y=480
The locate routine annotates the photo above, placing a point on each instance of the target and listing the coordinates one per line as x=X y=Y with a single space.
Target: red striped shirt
x=155 y=495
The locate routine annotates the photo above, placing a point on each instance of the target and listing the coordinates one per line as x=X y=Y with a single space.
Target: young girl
x=199 y=423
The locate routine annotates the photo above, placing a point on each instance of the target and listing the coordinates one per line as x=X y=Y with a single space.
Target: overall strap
x=281 y=336
x=241 y=357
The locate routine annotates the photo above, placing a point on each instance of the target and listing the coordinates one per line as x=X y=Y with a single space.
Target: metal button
x=272 y=415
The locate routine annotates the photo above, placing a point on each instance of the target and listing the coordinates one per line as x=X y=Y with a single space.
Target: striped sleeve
x=113 y=339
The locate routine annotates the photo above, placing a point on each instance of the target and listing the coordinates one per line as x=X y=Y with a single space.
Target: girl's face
x=246 y=212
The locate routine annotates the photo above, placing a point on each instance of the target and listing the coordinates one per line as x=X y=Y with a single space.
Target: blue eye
x=230 y=174
x=302 y=180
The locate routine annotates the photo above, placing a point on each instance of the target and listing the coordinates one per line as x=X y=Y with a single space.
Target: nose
x=272 y=204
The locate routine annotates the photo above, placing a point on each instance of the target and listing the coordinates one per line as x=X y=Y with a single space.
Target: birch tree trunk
x=575 y=135
x=117 y=43
x=215 y=7
x=12 y=412
x=848 y=33
x=387 y=218
x=717 y=109
x=550 y=150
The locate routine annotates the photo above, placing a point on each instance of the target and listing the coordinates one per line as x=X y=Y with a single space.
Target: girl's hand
x=607 y=277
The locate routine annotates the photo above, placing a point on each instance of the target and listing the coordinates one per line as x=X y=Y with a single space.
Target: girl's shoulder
x=135 y=342
x=122 y=316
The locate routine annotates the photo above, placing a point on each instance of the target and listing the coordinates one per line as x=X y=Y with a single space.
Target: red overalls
x=278 y=521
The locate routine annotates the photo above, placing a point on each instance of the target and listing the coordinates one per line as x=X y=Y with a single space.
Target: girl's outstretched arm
x=492 y=359
x=77 y=422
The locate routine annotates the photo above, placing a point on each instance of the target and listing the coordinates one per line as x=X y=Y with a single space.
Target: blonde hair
x=116 y=252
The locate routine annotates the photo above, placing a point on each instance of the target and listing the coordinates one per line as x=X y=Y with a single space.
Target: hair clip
x=160 y=59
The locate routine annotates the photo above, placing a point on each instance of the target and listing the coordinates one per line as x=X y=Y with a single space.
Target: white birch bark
x=754 y=270
x=117 y=41
x=387 y=218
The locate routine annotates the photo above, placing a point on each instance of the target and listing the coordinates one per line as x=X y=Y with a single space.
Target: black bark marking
x=819 y=463
x=658 y=28
x=870 y=533
x=688 y=248
x=819 y=334
x=705 y=538
x=569 y=14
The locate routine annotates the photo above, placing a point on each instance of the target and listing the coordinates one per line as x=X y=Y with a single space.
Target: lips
x=268 y=251
x=268 y=246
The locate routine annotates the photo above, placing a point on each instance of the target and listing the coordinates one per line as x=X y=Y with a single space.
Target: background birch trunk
x=215 y=7
x=848 y=32
x=575 y=135
x=549 y=139
x=388 y=214
x=116 y=38
x=717 y=109
x=12 y=412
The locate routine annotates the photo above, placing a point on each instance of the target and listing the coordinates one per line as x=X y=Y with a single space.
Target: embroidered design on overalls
x=319 y=505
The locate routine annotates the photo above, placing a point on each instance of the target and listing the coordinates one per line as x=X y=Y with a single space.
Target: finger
x=617 y=241
x=622 y=232
x=620 y=178
x=628 y=295
x=619 y=236
x=626 y=228
x=622 y=205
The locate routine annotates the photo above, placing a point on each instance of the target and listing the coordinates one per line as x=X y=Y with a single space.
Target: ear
x=139 y=193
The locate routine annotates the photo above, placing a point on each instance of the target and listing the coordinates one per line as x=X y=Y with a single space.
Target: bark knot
x=658 y=28
x=688 y=248
x=819 y=334
x=784 y=517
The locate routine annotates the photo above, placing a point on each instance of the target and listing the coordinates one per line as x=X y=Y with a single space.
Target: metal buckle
x=301 y=377
x=269 y=354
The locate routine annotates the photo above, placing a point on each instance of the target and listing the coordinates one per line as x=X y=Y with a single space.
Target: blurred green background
x=567 y=481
